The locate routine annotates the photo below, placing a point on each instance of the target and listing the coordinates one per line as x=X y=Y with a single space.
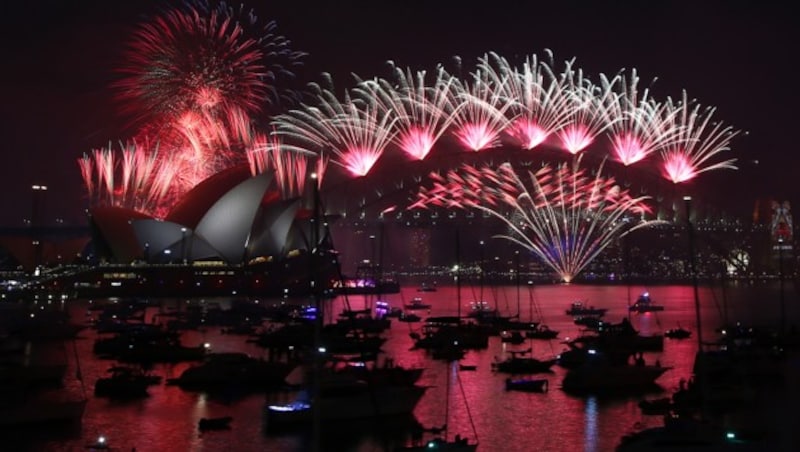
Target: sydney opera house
x=231 y=234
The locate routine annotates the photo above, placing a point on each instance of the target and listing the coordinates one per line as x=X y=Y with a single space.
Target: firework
x=639 y=125
x=289 y=164
x=356 y=131
x=132 y=177
x=203 y=56
x=424 y=111
x=540 y=108
x=587 y=105
x=699 y=142
x=563 y=214
x=482 y=115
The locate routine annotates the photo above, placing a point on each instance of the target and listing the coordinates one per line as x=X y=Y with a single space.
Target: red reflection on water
x=503 y=420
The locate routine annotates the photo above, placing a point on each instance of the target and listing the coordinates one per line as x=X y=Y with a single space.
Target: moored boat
x=645 y=304
x=344 y=399
x=578 y=308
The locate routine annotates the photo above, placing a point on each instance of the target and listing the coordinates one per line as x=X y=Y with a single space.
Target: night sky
x=59 y=59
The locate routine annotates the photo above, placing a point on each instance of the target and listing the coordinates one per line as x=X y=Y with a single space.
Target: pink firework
x=482 y=115
x=355 y=131
x=289 y=164
x=540 y=108
x=639 y=126
x=562 y=214
x=132 y=177
x=587 y=106
x=699 y=143
x=423 y=110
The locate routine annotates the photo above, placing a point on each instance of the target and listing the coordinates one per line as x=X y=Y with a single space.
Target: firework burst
x=356 y=131
x=424 y=112
x=204 y=55
x=482 y=115
x=698 y=144
x=587 y=106
x=540 y=109
x=639 y=125
x=563 y=214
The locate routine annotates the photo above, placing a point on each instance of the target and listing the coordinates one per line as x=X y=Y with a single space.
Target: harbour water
x=167 y=420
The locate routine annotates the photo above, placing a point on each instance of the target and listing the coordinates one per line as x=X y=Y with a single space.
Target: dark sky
x=59 y=56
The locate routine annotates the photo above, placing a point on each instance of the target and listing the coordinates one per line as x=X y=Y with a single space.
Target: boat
x=223 y=370
x=519 y=364
x=578 y=308
x=442 y=441
x=416 y=303
x=645 y=304
x=125 y=382
x=599 y=374
x=426 y=288
x=512 y=337
x=214 y=423
x=527 y=384
x=343 y=398
x=541 y=332
x=677 y=333
x=621 y=338
x=409 y=317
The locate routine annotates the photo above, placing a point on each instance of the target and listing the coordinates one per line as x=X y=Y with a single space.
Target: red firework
x=187 y=59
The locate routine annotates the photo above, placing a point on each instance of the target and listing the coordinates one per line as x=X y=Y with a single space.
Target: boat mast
x=458 y=275
x=688 y=201
x=316 y=415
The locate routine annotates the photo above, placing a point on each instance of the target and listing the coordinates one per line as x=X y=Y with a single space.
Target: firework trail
x=482 y=115
x=289 y=164
x=541 y=108
x=639 y=125
x=132 y=177
x=564 y=215
x=699 y=142
x=355 y=130
x=424 y=111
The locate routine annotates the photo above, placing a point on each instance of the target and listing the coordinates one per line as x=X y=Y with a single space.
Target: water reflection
x=590 y=416
x=504 y=420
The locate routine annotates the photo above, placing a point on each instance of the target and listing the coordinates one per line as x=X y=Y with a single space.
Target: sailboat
x=448 y=337
x=442 y=441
